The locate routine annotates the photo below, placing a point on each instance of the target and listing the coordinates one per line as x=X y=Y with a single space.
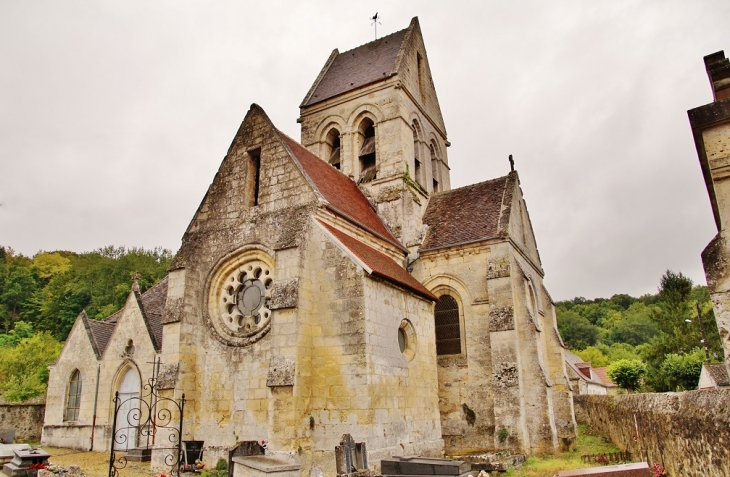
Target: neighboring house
x=339 y=286
x=586 y=379
x=713 y=376
x=711 y=130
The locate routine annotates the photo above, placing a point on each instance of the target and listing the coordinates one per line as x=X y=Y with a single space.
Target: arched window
x=73 y=400
x=333 y=148
x=368 y=168
x=448 y=330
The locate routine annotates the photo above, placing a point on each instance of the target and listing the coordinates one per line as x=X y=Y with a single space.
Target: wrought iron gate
x=148 y=417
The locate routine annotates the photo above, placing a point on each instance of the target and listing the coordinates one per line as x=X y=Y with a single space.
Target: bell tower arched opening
x=367 y=154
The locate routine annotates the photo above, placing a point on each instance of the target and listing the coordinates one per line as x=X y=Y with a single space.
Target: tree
x=627 y=373
x=576 y=331
x=24 y=368
x=594 y=356
x=683 y=371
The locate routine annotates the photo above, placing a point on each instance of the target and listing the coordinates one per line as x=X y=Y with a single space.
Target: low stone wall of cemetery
x=26 y=419
x=688 y=432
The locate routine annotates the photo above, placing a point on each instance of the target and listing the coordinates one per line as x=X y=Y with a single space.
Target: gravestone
x=19 y=466
x=640 y=469
x=193 y=451
x=7 y=435
x=423 y=466
x=350 y=456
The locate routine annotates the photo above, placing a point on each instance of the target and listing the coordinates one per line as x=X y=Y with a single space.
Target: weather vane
x=376 y=20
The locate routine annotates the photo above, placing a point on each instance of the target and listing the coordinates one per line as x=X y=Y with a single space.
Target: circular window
x=407 y=339
x=238 y=302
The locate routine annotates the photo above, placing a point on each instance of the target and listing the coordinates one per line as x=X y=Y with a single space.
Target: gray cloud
x=114 y=116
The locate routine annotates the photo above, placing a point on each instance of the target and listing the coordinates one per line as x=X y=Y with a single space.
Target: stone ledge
x=266 y=464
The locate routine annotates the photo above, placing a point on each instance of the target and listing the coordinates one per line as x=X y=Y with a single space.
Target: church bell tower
x=373 y=114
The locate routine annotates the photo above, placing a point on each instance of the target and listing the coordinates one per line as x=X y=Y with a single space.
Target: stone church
x=339 y=285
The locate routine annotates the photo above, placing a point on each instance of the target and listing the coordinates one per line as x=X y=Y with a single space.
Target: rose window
x=245 y=299
x=238 y=303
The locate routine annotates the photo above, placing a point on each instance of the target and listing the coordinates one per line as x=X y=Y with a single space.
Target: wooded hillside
x=41 y=296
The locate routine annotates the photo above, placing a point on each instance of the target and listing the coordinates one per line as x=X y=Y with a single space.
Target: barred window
x=73 y=401
x=448 y=332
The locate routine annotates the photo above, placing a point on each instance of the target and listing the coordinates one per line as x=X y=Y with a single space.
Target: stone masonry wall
x=26 y=419
x=686 y=432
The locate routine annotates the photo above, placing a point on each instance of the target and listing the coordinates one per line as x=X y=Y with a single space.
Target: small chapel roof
x=339 y=191
x=469 y=214
x=152 y=303
x=100 y=332
x=358 y=67
x=380 y=265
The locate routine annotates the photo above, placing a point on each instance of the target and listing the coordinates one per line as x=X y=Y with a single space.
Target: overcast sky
x=115 y=115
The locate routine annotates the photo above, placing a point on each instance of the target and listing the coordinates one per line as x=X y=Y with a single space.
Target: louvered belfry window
x=448 y=332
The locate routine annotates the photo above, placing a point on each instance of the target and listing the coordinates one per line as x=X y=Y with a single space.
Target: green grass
x=588 y=442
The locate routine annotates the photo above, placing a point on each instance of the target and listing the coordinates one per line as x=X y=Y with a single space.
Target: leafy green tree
x=592 y=355
x=635 y=327
x=47 y=265
x=627 y=373
x=683 y=371
x=24 y=368
x=576 y=331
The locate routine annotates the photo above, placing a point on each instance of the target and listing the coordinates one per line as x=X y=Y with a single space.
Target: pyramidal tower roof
x=366 y=64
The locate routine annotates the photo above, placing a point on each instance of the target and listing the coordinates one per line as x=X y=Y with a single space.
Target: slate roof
x=100 y=332
x=152 y=303
x=341 y=193
x=718 y=373
x=469 y=214
x=380 y=265
x=371 y=62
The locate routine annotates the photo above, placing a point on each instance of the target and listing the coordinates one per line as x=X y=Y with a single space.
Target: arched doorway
x=128 y=416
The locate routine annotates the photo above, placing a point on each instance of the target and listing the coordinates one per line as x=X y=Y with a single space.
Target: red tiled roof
x=380 y=264
x=101 y=333
x=603 y=377
x=355 y=68
x=338 y=190
x=469 y=214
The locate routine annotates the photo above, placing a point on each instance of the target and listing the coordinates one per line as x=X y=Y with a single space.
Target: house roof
x=469 y=214
x=580 y=367
x=718 y=373
x=340 y=192
x=343 y=72
x=602 y=376
x=377 y=263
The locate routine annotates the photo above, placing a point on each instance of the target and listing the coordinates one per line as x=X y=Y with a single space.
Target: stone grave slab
x=18 y=467
x=398 y=465
x=640 y=469
x=263 y=466
x=7 y=451
x=7 y=435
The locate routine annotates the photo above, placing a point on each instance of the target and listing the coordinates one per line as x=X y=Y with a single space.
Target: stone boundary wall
x=689 y=432
x=25 y=418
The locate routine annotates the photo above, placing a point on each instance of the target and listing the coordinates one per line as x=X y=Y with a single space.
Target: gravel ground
x=96 y=464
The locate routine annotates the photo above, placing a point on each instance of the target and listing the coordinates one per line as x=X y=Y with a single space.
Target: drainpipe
x=96 y=398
